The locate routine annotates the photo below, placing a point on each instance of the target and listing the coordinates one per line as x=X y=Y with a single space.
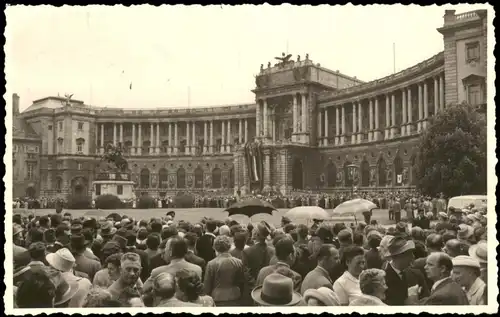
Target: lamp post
x=351 y=168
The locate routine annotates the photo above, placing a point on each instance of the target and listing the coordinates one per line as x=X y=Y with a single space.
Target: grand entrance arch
x=297 y=174
x=30 y=192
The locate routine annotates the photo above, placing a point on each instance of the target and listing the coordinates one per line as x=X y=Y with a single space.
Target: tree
x=452 y=153
x=113 y=155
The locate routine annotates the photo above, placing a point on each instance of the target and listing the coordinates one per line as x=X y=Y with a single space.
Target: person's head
x=113 y=264
x=354 y=259
x=434 y=242
x=284 y=250
x=153 y=241
x=44 y=222
x=35 y=235
x=224 y=231
x=465 y=271
x=177 y=248
x=37 y=251
x=438 y=266
x=169 y=232
x=358 y=239
x=302 y=232
x=345 y=237
x=110 y=248
x=374 y=238
x=240 y=239
x=211 y=225
x=164 y=286
x=156 y=227
x=401 y=252
x=454 y=247
x=480 y=233
x=36 y=292
x=191 y=239
x=328 y=257
x=222 y=244
x=99 y=297
x=78 y=243
x=285 y=221
x=189 y=283
x=372 y=282
x=130 y=268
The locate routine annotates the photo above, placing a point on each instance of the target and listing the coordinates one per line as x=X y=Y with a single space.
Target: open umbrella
x=250 y=207
x=308 y=213
x=354 y=206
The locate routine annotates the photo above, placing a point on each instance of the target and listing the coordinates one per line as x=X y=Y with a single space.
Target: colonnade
x=168 y=142
x=370 y=130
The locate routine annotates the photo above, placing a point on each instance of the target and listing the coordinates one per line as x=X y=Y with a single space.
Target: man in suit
x=191 y=257
x=444 y=291
x=285 y=253
x=422 y=221
x=328 y=257
x=83 y=263
x=176 y=250
x=400 y=277
x=259 y=255
x=205 y=245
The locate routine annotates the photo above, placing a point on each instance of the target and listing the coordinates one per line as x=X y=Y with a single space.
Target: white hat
x=323 y=295
x=479 y=251
x=465 y=260
x=62 y=260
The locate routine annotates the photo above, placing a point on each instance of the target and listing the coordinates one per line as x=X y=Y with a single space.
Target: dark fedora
x=398 y=245
x=107 y=229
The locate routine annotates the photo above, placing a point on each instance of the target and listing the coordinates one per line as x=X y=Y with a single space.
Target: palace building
x=310 y=128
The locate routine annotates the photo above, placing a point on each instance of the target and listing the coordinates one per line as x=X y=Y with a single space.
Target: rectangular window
x=79 y=147
x=474 y=94
x=79 y=166
x=80 y=126
x=50 y=127
x=30 y=171
x=60 y=124
x=119 y=189
x=472 y=52
x=98 y=189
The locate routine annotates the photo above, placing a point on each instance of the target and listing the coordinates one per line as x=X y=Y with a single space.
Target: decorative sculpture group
x=283 y=61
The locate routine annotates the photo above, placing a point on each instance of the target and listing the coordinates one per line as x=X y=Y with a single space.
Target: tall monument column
x=187 y=150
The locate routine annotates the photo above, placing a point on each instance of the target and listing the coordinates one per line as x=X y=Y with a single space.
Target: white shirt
x=347 y=288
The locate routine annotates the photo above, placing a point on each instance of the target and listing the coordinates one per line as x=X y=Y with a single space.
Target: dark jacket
x=397 y=287
x=204 y=247
x=446 y=293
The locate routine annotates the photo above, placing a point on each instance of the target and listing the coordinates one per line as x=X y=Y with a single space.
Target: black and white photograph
x=250 y=158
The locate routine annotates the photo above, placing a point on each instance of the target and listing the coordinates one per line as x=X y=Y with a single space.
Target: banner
x=400 y=179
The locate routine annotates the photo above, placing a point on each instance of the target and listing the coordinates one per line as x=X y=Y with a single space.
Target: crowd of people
x=65 y=261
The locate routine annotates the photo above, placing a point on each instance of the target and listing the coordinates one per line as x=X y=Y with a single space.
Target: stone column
x=325 y=140
x=139 y=148
x=295 y=111
x=441 y=93
x=114 y=134
x=387 y=116
x=121 y=134
x=193 y=149
x=267 y=169
x=318 y=127
x=205 y=137
x=410 y=113
x=223 y=136
x=158 y=144
x=265 y=117
x=337 y=125
x=258 y=120
x=187 y=150
x=102 y=138
x=393 y=115
x=97 y=150
x=426 y=105
x=343 y=135
x=436 y=94
x=246 y=130
x=170 y=140
x=377 y=132
x=176 y=138
x=360 y=121
x=211 y=149
x=134 y=150
x=370 y=119
x=304 y=114
x=420 y=108
x=240 y=131
x=151 y=139
x=404 y=109
x=354 y=129
x=228 y=137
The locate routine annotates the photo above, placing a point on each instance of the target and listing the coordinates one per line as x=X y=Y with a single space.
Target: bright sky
x=95 y=52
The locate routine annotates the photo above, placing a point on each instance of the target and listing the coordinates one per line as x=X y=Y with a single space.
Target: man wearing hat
x=479 y=251
x=83 y=263
x=204 y=246
x=276 y=290
x=107 y=232
x=465 y=234
x=466 y=272
x=64 y=262
x=421 y=220
x=258 y=255
x=400 y=276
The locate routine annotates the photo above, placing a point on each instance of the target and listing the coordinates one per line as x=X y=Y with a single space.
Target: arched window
x=163 y=178
x=80 y=144
x=145 y=178
x=198 y=177
x=216 y=178
x=181 y=178
x=331 y=175
x=348 y=178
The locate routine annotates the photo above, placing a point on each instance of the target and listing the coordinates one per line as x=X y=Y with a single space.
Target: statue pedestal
x=114 y=183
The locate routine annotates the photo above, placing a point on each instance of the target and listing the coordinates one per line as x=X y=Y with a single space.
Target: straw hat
x=465 y=232
x=277 y=290
x=62 y=260
x=465 y=260
x=479 y=251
